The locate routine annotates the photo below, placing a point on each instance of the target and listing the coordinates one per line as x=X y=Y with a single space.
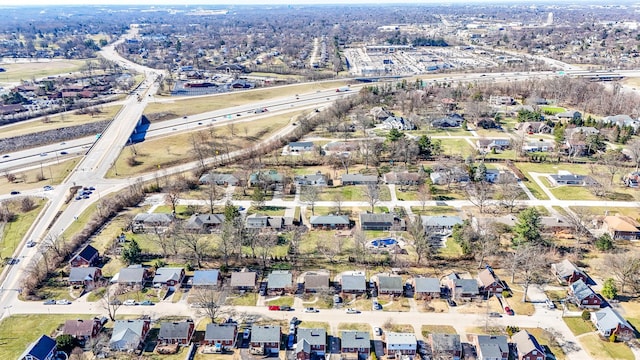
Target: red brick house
x=567 y=273
x=584 y=296
x=176 y=333
x=527 y=346
x=223 y=334
x=490 y=283
x=82 y=330
x=316 y=338
x=303 y=350
x=265 y=339
x=355 y=344
x=88 y=256
x=609 y=322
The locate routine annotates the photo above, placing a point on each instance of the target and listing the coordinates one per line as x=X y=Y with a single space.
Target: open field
x=601 y=349
x=578 y=326
x=177 y=149
x=18 y=331
x=33 y=70
x=216 y=102
x=58 y=121
x=456 y=147
x=13 y=232
x=53 y=173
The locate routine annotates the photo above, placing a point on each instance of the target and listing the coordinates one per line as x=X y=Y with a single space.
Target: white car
x=129 y=302
x=310 y=310
x=352 y=311
x=63 y=302
x=246 y=333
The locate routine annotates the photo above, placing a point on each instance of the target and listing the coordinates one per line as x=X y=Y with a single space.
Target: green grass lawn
x=18 y=331
x=552 y=110
x=535 y=189
x=29 y=70
x=602 y=349
x=354 y=326
x=352 y=193
x=434 y=210
x=268 y=210
x=281 y=301
x=437 y=329
x=572 y=193
x=315 y=325
x=249 y=299
x=14 y=231
x=451 y=249
x=79 y=224
x=456 y=147
x=401 y=328
x=398 y=304
x=578 y=326
x=546 y=339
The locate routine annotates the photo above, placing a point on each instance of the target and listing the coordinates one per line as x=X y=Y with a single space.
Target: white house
x=401 y=344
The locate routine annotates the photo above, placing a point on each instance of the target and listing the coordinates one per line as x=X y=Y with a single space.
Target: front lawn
x=248 y=299
x=578 y=326
x=451 y=249
x=603 y=349
x=437 y=329
x=400 y=304
x=354 y=326
x=281 y=301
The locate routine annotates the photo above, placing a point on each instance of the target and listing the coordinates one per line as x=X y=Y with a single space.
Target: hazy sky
x=232 y=2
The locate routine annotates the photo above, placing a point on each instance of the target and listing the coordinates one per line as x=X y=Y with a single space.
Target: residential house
x=632 y=179
x=487 y=145
x=399 y=344
x=461 y=288
x=88 y=256
x=608 y=322
x=358 y=179
x=265 y=339
x=316 y=338
x=402 y=178
x=268 y=178
x=133 y=275
x=223 y=334
x=534 y=127
x=44 y=348
x=444 y=176
x=230 y=68
x=243 y=280
x=302 y=350
x=567 y=178
x=299 y=147
x=575 y=139
x=316 y=281
x=567 y=273
x=583 y=296
x=206 y=279
x=501 y=100
x=445 y=346
x=204 y=223
x=527 y=347
x=355 y=344
x=389 y=284
x=146 y=221
x=219 y=179
x=168 y=277
x=128 y=335
x=385 y=222
x=279 y=281
x=621 y=121
x=454 y=120
x=85 y=276
x=317 y=179
x=538 y=146
x=426 y=288
x=330 y=222
x=177 y=332
x=439 y=224
x=353 y=282
x=491 y=347
x=83 y=330
x=569 y=115
x=398 y=123
x=267 y=222
x=490 y=283
x=379 y=114
x=621 y=227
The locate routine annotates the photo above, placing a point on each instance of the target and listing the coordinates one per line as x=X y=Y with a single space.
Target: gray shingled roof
x=205 y=278
x=220 y=332
x=265 y=334
x=491 y=346
x=355 y=339
x=353 y=282
x=174 y=330
x=607 y=319
x=329 y=220
x=565 y=268
x=427 y=285
x=165 y=274
x=581 y=290
x=389 y=283
x=279 y=279
x=526 y=343
x=467 y=286
x=82 y=273
x=313 y=336
x=446 y=342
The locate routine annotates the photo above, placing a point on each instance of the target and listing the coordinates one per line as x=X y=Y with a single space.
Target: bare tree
x=372 y=193
x=110 y=301
x=27 y=204
x=309 y=195
x=265 y=241
x=195 y=245
x=360 y=245
x=158 y=235
x=532 y=263
x=424 y=195
x=633 y=149
x=579 y=219
x=172 y=196
x=508 y=193
x=421 y=240
x=625 y=267
x=479 y=193
x=338 y=199
x=209 y=302
x=213 y=194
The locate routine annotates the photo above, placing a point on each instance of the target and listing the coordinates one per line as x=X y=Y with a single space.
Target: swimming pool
x=383 y=242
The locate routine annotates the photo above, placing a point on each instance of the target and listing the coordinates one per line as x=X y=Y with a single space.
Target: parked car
x=377 y=331
x=246 y=333
x=146 y=303
x=15 y=192
x=115 y=302
x=63 y=302
x=48 y=188
x=274 y=307
x=508 y=311
x=285 y=308
x=376 y=306
x=31 y=243
x=129 y=302
x=63 y=153
x=451 y=302
x=12 y=261
x=49 y=302
x=352 y=311
x=550 y=304
x=494 y=314
x=294 y=320
x=311 y=310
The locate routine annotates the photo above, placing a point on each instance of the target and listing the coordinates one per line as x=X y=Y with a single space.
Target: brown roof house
x=243 y=280
x=527 y=347
x=621 y=227
x=316 y=281
x=490 y=283
x=567 y=273
x=83 y=330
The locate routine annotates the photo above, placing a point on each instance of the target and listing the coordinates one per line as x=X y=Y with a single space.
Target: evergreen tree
x=131 y=253
x=527 y=228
